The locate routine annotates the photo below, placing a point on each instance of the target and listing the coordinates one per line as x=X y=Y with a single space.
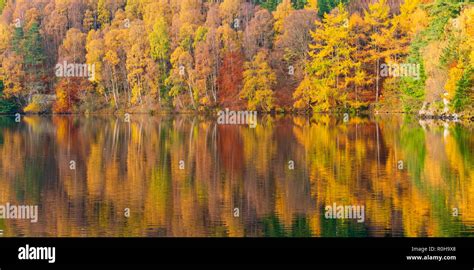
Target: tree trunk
x=191 y=96
x=377 y=82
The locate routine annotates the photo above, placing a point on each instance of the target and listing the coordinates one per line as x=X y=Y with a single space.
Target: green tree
x=17 y=40
x=33 y=60
x=326 y=6
x=439 y=12
x=32 y=46
x=160 y=49
x=271 y=5
x=6 y=105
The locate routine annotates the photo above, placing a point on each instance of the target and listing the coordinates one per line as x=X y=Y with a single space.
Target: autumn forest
x=89 y=56
x=108 y=117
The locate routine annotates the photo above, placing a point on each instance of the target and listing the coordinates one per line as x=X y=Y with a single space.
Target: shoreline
x=442 y=117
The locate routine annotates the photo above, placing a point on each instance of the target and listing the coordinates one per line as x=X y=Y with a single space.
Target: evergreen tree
x=326 y=6
x=17 y=40
x=2 y=5
x=33 y=48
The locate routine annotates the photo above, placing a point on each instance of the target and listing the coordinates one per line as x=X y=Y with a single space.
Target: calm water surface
x=188 y=176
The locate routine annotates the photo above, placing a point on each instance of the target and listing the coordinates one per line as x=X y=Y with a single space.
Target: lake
x=188 y=176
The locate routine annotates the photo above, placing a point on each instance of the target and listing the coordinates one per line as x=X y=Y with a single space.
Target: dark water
x=188 y=176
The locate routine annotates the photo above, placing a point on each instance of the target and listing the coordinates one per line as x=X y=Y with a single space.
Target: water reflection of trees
x=136 y=165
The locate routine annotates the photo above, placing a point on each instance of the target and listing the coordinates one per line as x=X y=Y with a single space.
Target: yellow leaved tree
x=259 y=80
